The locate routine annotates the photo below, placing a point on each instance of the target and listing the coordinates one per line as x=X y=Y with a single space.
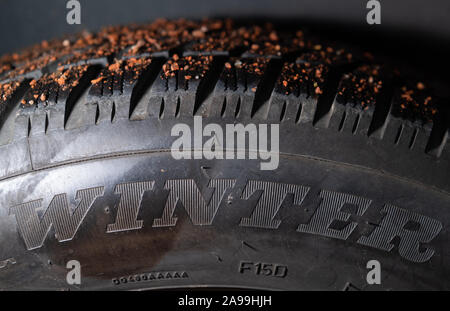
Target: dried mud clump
x=7 y=91
x=361 y=87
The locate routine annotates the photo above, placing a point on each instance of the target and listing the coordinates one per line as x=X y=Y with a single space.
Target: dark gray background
x=24 y=22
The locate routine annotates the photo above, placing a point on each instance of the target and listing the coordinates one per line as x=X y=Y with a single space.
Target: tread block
x=237 y=86
x=56 y=94
x=178 y=84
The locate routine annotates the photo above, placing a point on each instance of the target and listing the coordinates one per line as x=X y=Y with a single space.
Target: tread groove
x=177 y=108
x=113 y=111
x=342 y=123
x=144 y=82
x=266 y=84
x=398 y=136
x=299 y=113
x=209 y=81
x=413 y=139
x=84 y=83
x=97 y=114
x=330 y=90
x=382 y=109
x=46 y=123
x=283 y=111
x=161 y=109
x=238 y=107
x=224 y=107
x=356 y=123
x=440 y=131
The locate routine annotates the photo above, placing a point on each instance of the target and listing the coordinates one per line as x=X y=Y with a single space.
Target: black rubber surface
x=87 y=174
